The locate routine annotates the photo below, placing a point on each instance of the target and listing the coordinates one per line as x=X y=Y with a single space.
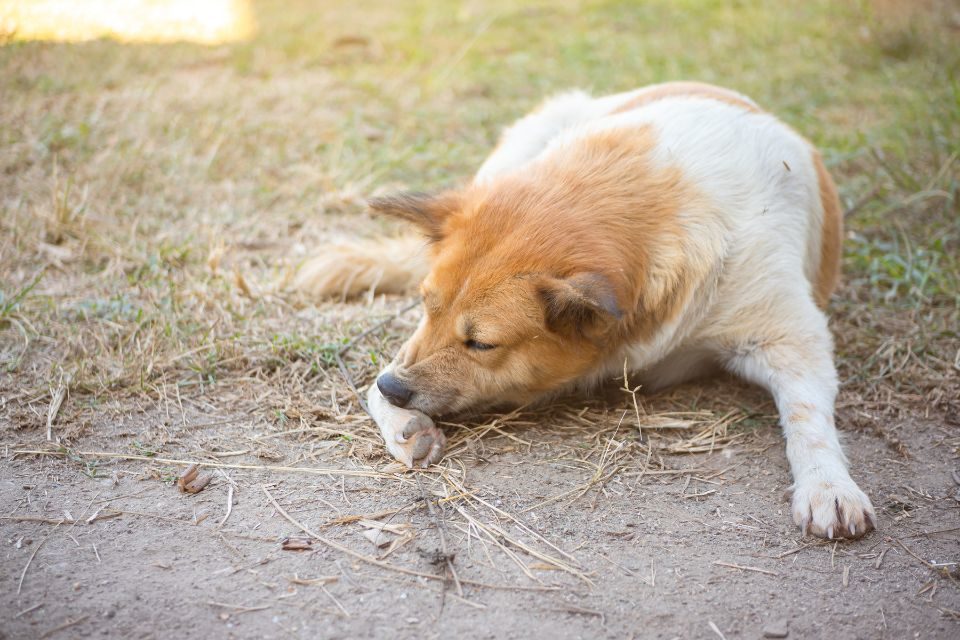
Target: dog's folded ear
x=581 y=303
x=427 y=211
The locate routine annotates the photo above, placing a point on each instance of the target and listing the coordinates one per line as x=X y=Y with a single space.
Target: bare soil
x=701 y=546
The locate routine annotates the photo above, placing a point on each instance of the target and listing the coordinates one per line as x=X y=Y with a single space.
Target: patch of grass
x=897 y=272
x=167 y=191
x=9 y=303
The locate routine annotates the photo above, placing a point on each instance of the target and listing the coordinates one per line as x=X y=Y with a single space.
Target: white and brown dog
x=676 y=227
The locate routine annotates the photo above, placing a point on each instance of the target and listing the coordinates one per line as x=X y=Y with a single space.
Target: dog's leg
x=795 y=363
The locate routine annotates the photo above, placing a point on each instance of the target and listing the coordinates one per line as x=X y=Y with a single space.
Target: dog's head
x=513 y=307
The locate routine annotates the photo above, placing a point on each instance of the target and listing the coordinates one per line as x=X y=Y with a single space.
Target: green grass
x=140 y=180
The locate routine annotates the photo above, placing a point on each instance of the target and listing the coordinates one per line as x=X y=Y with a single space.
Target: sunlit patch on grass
x=200 y=21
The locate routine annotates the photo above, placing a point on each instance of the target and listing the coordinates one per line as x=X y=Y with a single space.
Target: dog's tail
x=382 y=265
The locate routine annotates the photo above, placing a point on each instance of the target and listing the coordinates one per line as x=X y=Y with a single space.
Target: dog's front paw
x=419 y=442
x=832 y=508
x=411 y=436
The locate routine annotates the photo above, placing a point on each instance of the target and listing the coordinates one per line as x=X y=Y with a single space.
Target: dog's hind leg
x=790 y=353
x=381 y=265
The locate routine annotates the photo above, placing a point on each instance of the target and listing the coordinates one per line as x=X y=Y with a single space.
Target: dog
x=678 y=228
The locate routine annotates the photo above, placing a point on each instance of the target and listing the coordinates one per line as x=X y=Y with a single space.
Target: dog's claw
x=832 y=509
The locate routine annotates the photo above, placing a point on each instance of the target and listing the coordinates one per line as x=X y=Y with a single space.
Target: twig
x=444 y=549
x=930 y=533
x=56 y=400
x=229 y=505
x=335 y=601
x=633 y=395
x=26 y=611
x=791 y=551
x=237 y=608
x=379 y=563
x=523 y=527
x=37 y=519
x=353 y=473
x=720 y=563
x=879 y=561
x=65 y=625
x=926 y=563
x=716 y=630
x=33 y=555
x=338 y=356
x=353 y=387
x=583 y=612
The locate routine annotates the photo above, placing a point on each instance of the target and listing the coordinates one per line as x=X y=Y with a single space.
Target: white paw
x=411 y=436
x=832 y=508
x=419 y=442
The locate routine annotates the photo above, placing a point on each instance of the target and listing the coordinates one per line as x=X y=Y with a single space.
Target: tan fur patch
x=686 y=89
x=598 y=207
x=828 y=273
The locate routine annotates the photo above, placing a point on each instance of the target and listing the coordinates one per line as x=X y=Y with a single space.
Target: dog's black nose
x=393 y=390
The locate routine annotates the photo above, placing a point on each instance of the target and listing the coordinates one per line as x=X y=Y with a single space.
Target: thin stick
x=374 y=561
x=745 y=568
x=633 y=395
x=926 y=563
x=444 y=549
x=338 y=356
x=33 y=555
x=791 y=551
x=229 y=505
x=930 y=533
x=214 y=465
x=37 y=519
x=716 y=630
x=26 y=611
x=63 y=626
x=56 y=400
x=523 y=526
x=880 y=558
x=335 y=601
x=237 y=608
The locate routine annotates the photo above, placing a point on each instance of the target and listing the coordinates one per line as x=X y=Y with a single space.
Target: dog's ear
x=427 y=211
x=582 y=303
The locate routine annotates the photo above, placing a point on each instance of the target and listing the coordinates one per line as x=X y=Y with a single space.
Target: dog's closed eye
x=478 y=346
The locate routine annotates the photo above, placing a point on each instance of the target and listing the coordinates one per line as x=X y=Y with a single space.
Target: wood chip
x=297 y=544
x=190 y=481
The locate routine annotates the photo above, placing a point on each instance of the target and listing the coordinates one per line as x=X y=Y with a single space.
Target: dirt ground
x=156 y=200
x=698 y=548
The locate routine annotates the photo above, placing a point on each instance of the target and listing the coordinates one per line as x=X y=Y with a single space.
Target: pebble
x=776 y=629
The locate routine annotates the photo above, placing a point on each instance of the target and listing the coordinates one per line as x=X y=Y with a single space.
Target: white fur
x=754 y=312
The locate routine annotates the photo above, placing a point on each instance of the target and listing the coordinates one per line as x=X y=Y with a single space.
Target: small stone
x=776 y=629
